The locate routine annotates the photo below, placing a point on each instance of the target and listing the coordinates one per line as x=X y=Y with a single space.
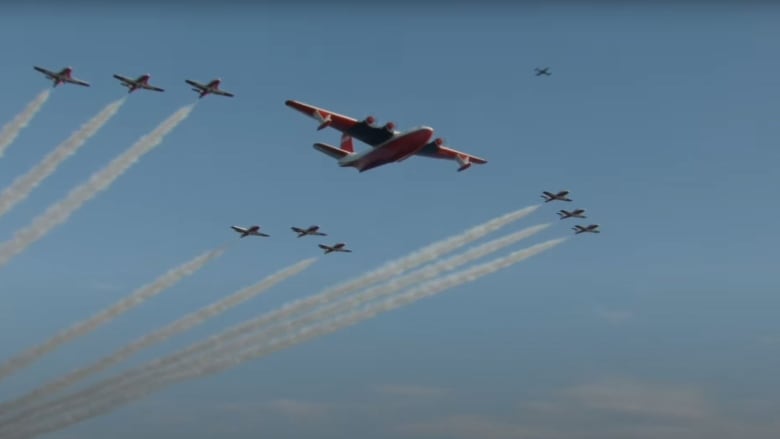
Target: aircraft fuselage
x=392 y=150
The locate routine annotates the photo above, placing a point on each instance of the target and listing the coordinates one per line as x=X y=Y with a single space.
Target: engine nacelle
x=439 y=141
x=390 y=126
x=369 y=120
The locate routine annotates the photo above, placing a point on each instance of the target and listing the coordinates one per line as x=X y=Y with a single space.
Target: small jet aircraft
x=134 y=84
x=387 y=144
x=545 y=71
x=210 y=88
x=312 y=230
x=561 y=196
x=61 y=77
x=253 y=231
x=593 y=228
x=336 y=248
x=577 y=213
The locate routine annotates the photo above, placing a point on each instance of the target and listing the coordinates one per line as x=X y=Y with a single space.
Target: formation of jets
x=64 y=76
x=576 y=213
x=388 y=145
x=313 y=230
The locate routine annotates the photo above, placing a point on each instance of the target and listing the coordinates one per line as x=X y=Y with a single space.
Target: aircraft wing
x=195 y=84
x=76 y=81
x=453 y=154
x=444 y=152
x=368 y=134
x=223 y=93
x=123 y=79
x=153 y=88
x=44 y=71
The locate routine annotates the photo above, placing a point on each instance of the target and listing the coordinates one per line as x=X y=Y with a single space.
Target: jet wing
x=123 y=79
x=44 y=71
x=195 y=84
x=151 y=87
x=361 y=130
x=223 y=93
x=75 y=81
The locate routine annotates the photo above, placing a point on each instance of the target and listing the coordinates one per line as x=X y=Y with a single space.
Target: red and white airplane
x=336 y=248
x=560 y=196
x=388 y=144
x=134 y=84
x=253 y=231
x=210 y=88
x=312 y=230
x=61 y=77
x=593 y=228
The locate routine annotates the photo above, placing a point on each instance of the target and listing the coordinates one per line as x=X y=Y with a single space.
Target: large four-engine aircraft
x=251 y=231
x=134 y=84
x=210 y=88
x=577 y=213
x=593 y=228
x=388 y=144
x=61 y=77
x=560 y=196
x=340 y=247
x=312 y=230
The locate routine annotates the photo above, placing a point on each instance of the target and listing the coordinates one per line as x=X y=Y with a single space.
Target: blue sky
x=660 y=120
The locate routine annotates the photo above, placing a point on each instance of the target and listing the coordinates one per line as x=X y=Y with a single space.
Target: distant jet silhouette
x=545 y=71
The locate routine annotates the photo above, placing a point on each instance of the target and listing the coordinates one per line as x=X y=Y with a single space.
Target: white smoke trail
x=214 y=348
x=158 y=336
x=211 y=346
x=12 y=129
x=22 y=186
x=419 y=257
x=61 y=211
x=136 y=298
x=426 y=254
x=388 y=270
x=47 y=423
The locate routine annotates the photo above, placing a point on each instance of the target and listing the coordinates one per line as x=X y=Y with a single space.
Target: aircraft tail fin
x=346 y=143
x=332 y=151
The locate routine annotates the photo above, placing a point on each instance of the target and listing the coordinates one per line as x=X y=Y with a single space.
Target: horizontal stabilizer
x=332 y=151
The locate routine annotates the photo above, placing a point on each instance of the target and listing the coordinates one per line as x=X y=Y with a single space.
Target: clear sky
x=660 y=120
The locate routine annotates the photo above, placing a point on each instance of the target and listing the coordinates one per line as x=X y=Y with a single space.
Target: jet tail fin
x=332 y=151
